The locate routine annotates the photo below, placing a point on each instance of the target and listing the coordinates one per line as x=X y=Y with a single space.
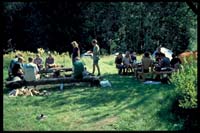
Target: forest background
x=118 y=26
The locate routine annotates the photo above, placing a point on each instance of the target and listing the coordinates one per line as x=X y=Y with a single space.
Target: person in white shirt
x=31 y=70
x=127 y=62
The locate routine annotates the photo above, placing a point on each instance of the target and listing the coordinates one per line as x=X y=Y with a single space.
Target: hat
x=20 y=58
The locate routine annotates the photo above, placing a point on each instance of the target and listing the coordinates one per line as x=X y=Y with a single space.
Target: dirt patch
x=107 y=121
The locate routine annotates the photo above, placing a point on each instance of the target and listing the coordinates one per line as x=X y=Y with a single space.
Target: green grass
x=127 y=105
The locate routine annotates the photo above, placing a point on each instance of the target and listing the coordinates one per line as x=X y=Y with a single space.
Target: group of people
x=30 y=71
x=126 y=63
x=78 y=66
x=147 y=63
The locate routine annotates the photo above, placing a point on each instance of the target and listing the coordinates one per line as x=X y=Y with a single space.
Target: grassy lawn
x=127 y=105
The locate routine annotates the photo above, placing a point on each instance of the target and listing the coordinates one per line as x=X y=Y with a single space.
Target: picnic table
x=53 y=70
x=153 y=74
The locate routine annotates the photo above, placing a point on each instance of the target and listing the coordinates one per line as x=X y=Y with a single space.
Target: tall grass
x=185 y=81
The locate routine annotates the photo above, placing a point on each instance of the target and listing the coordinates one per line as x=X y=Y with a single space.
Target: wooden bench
x=93 y=80
x=161 y=73
x=143 y=75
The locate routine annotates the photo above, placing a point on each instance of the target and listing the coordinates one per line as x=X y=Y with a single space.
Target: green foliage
x=185 y=81
x=137 y=26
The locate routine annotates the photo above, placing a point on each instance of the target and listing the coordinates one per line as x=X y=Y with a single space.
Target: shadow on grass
x=126 y=92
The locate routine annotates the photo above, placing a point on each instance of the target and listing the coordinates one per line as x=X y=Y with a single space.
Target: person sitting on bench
x=118 y=63
x=147 y=63
x=127 y=62
x=165 y=61
x=31 y=70
x=11 y=65
x=49 y=62
x=78 y=68
x=38 y=61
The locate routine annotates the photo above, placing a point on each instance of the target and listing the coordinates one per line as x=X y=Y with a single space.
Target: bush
x=185 y=81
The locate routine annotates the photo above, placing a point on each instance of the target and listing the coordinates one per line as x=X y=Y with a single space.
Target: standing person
x=76 y=51
x=96 y=53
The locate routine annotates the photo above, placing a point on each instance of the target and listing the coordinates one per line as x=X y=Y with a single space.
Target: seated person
x=175 y=62
x=164 y=62
x=78 y=68
x=17 y=68
x=158 y=54
x=146 y=63
x=12 y=63
x=38 y=61
x=127 y=62
x=133 y=56
x=163 y=65
x=30 y=70
x=49 y=62
x=118 y=62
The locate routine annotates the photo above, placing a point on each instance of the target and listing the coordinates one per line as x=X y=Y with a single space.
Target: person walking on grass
x=96 y=53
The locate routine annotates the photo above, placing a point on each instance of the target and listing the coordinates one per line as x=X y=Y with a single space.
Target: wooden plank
x=16 y=84
x=143 y=75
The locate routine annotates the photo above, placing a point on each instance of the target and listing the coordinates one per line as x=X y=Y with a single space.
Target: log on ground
x=95 y=81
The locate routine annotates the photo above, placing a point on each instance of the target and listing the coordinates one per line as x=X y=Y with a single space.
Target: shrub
x=185 y=81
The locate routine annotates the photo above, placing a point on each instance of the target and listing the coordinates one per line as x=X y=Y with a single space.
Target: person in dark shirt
x=78 y=68
x=49 y=62
x=119 y=63
x=133 y=56
x=165 y=61
x=17 y=68
x=76 y=51
x=175 y=62
x=158 y=54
